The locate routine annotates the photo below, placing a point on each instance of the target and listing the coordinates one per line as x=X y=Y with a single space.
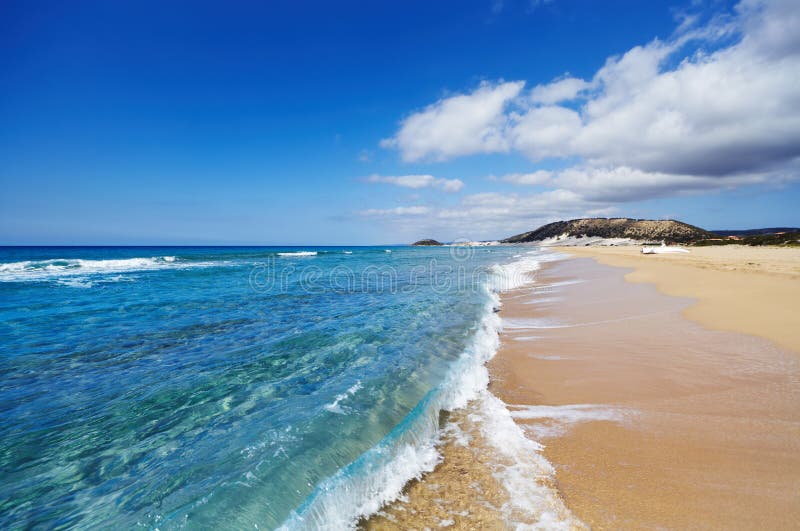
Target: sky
x=358 y=123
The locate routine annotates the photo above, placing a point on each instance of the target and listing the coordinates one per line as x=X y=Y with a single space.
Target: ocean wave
x=521 y=467
x=410 y=450
x=299 y=253
x=512 y=275
x=61 y=268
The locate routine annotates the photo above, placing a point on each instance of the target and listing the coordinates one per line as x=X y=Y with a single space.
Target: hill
x=637 y=229
x=426 y=243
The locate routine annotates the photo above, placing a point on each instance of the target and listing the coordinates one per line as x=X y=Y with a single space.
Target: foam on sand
x=553 y=421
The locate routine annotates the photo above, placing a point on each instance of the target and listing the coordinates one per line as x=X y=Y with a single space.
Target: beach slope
x=653 y=420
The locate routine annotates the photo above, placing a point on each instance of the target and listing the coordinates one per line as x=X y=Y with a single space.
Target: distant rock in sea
x=426 y=242
x=634 y=229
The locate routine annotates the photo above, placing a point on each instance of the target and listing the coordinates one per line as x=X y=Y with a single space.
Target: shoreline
x=651 y=419
x=750 y=290
x=637 y=416
x=489 y=475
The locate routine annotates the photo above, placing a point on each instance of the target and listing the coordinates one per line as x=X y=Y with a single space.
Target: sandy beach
x=653 y=420
x=656 y=411
x=754 y=290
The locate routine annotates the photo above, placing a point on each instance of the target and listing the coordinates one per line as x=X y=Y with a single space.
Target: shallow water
x=233 y=387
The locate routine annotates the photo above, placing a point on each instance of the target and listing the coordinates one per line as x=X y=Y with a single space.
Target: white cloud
x=459 y=125
x=537 y=177
x=564 y=89
x=488 y=215
x=397 y=211
x=418 y=181
x=579 y=191
x=545 y=132
x=622 y=184
x=714 y=106
x=733 y=111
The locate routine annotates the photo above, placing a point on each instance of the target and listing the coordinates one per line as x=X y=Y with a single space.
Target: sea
x=241 y=387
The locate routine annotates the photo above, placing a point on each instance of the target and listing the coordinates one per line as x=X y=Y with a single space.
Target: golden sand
x=652 y=421
x=755 y=290
x=706 y=431
x=460 y=492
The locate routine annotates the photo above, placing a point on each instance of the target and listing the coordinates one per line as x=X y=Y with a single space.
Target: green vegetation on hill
x=786 y=239
x=636 y=229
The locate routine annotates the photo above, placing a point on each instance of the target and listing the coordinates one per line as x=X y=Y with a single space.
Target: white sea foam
x=531 y=324
x=536 y=299
x=62 y=269
x=531 y=503
x=555 y=420
x=334 y=406
x=515 y=274
x=76 y=282
x=526 y=338
x=553 y=286
x=379 y=475
x=299 y=253
x=545 y=357
x=347 y=252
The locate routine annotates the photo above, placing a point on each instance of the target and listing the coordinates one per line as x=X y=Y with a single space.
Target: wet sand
x=754 y=290
x=651 y=420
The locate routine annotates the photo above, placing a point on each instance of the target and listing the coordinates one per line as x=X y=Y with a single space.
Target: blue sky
x=299 y=122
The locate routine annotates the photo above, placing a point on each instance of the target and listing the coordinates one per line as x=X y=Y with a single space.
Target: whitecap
x=299 y=253
x=58 y=268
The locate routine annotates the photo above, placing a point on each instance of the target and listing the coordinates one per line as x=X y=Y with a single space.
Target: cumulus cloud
x=623 y=184
x=463 y=124
x=528 y=179
x=713 y=106
x=418 y=181
x=560 y=90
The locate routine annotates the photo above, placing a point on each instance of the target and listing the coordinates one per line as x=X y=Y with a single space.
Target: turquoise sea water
x=228 y=388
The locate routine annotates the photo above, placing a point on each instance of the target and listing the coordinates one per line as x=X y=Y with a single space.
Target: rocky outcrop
x=636 y=229
x=426 y=242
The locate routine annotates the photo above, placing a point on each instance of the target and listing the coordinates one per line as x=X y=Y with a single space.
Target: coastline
x=489 y=475
x=635 y=416
x=651 y=419
x=752 y=290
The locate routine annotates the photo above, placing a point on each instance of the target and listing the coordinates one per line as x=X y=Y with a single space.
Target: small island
x=427 y=242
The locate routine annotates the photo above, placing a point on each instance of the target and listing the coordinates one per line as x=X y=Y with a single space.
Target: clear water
x=226 y=388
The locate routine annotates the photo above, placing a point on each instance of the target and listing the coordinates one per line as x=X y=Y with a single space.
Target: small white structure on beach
x=663 y=249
